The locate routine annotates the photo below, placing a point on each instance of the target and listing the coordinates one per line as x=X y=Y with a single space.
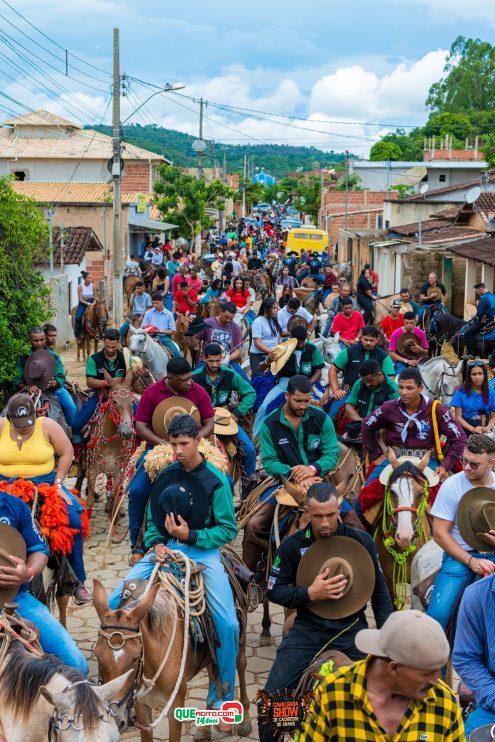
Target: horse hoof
x=245 y=728
x=266 y=640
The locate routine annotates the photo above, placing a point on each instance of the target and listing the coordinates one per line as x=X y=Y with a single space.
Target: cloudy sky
x=331 y=74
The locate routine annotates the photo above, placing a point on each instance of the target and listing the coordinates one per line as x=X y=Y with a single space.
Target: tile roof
x=447 y=214
x=77 y=242
x=435 y=230
x=71 y=193
x=485 y=204
x=482 y=250
x=413 y=227
x=40 y=118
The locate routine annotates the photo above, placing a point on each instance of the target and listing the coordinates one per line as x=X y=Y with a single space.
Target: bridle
x=442 y=391
x=59 y=723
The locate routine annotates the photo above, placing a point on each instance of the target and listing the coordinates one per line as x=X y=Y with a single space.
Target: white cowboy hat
x=430 y=475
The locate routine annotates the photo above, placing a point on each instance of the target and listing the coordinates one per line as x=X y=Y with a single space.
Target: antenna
x=473 y=195
x=423 y=188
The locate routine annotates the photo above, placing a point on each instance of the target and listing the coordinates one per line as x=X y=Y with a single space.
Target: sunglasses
x=472 y=464
x=473 y=364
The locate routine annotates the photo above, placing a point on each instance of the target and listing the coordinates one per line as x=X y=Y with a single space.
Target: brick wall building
x=364 y=211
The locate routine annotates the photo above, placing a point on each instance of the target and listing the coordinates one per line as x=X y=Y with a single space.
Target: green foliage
x=255 y=192
x=183 y=199
x=384 y=151
x=276 y=159
x=403 y=190
x=469 y=78
x=353 y=183
x=457 y=125
x=489 y=151
x=23 y=292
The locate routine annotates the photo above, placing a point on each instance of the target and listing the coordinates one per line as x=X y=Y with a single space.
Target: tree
x=353 y=183
x=255 y=192
x=457 y=125
x=489 y=151
x=183 y=199
x=469 y=78
x=384 y=151
x=23 y=292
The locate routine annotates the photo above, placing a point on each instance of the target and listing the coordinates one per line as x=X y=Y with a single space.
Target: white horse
x=440 y=379
x=152 y=353
x=328 y=347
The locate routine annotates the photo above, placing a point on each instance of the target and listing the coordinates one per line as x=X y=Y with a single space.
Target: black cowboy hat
x=196 y=326
x=173 y=492
x=39 y=368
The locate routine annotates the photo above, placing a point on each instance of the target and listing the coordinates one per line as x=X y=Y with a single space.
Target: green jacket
x=314 y=443
x=220 y=390
x=220 y=527
x=59 y=374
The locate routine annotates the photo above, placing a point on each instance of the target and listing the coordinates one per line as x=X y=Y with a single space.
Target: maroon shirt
x=391 y=420
x=156 y=393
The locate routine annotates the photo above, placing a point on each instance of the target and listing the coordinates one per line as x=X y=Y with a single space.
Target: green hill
x=276 y=159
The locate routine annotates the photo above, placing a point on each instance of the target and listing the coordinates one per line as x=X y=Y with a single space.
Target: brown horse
x=187 y=343
x=93 y=328
x=306 y=293
x=212 y=309
x=111 y=443
x=129 y=286
x=141 y=638
x=401 y=524
x=147 y=274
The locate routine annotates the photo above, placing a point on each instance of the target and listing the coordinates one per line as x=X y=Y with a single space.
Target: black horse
x=447 y=327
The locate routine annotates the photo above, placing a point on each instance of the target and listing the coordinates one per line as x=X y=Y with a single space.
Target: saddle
x=488 y=327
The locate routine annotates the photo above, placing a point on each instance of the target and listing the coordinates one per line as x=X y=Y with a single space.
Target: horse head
x=440 y=378
x=121 y=404
x=137 y=341
x=405 y=498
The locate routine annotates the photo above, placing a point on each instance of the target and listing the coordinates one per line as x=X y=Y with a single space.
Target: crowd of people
x=391 y=685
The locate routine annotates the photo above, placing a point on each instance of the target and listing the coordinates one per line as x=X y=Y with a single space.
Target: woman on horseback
x=214 y=291
x=365 y=295
x=240 y=295
x=474 y=401
x=266 y=334
x=86 y=296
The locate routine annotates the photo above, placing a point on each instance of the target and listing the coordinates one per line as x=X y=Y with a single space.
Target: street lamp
x=169 y=87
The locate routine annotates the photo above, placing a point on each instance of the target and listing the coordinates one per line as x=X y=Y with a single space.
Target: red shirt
x=156 y=393
x=240 y=300
x=176 y=282
x=389 y=324
x=374 y=280
x=195 y=283
x=348 y=327
x=183 y=306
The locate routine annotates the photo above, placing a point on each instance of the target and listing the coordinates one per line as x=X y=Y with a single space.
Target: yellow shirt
x=35 y=458
x=342 y=712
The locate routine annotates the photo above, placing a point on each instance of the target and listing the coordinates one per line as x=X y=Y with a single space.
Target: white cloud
x=449 y=11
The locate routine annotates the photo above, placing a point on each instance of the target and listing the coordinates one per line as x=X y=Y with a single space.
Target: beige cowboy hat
x=130 y=360
x=476 y=516
x=404 y=342
x=167 y=409
x=283 y=352
x=225 y=423
x=405 y=307
x=290 y=495
x=430 y=475
x=434 y=292
x=11 y=544
x=341 y=555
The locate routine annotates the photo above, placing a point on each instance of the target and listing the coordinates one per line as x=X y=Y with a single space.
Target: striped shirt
x=342 y=712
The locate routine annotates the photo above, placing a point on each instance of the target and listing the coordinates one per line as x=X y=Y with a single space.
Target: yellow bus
x=308 y=239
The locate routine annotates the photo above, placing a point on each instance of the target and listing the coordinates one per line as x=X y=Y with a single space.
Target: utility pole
x=244 y=187
x=62 y=245
x=50 y=238
x=117 y=198
x=346 y=210
x=200 y=152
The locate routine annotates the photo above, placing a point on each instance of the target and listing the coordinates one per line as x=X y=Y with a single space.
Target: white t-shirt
x=284 y=316
x=261 y=329
x=448 y=499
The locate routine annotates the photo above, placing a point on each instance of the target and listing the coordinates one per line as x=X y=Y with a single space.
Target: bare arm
x=334 y=383
x=316 y=376
x=352 y=413
x=206 y=428
x=442 y=535
x=459 y=418
x=61 y=445
x=144 y=431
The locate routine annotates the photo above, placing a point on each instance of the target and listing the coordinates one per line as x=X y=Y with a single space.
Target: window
x=379 y=221
x=20 y=175
x=442 y=178
x=425 y=179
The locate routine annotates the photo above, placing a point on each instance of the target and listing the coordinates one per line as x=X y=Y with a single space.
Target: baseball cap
x=20 y=411
x=396 y=303
x=408 y=637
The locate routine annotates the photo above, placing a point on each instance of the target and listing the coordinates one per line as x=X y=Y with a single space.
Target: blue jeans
x=139 y=492
x=67 y=404
x=261 y=414
x=480 y=717
x=221 y=604
x=337 y=404
x=169 y=301
x=84 y=414
x=167 y=342
x=248 y=451
x=434 y=463
x=53 y=637
x=399 y=367
x=449 y=585
x=81 y=309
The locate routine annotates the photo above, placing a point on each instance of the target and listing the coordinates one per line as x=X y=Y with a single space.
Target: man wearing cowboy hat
x=394 y=694
x=178 y=389
x=327 y=571
x=408 y=344
x=407 y=425
x=191 y=510
x=467 y=554
x=431 y=292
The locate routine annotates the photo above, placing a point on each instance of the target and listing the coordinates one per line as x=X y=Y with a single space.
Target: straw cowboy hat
x=166 y=411
x=430 y=475
x=225 y=423
x=341 y=555
x=290 y=494
x=39 y=368
x=130 y=360
x=476 y=516
x=11 y=544
x=404 y=342
x=283 y=352
x=174 y=493
x=434 y=292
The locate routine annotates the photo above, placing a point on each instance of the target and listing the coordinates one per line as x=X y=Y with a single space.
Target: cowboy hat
x=130 y=360
x=405 y=340
x=225 y=423
x=476 y=516
x=11 y=544
x=283 y=352
x=341 y=555
x=430 y=475
x=405 y=307
x=167 y=409
x=195 y=326
x=290 y=495
x=39 y=368
x=434 y=292
x=173 y=492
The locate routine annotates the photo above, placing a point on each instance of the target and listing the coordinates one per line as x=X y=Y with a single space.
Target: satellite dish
x=423 y=188
x=473 y=195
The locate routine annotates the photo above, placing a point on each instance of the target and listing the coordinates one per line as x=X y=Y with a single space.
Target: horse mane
x=407 y=467
x=162 y=611
x=24 y=674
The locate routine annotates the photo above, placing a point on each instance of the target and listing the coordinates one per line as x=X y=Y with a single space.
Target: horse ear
x=132 y=329
x=114 y=688
x=141 y=610
x=424 y=461
x=60 y=701
x=392 y=458
x=100 y=598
